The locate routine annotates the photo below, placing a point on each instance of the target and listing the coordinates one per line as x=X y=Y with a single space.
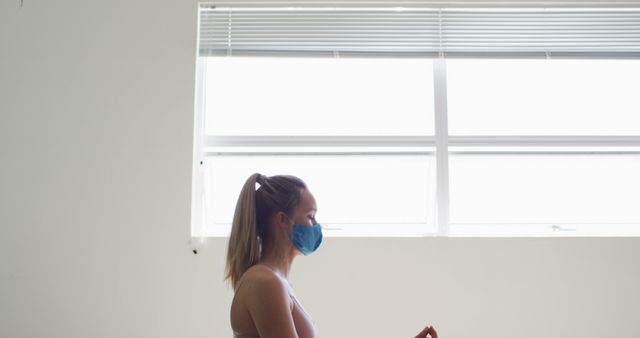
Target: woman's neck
x=279 y=262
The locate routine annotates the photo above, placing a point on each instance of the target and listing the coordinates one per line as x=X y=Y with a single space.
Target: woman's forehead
x=308 y=202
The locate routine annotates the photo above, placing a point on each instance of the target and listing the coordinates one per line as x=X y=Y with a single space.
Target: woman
x=271 y=226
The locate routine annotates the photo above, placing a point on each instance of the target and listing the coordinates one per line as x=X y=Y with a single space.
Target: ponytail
x=244 y=245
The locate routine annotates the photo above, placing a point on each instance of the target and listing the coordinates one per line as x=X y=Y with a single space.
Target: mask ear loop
x=290 y=230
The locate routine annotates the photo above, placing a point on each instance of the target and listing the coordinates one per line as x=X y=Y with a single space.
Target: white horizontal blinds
x=321 y=32
x=451 y=32
x=542 y=32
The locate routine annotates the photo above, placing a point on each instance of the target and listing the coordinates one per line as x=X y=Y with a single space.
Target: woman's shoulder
x=262 y=276
x=262 y=285
x=259 y=295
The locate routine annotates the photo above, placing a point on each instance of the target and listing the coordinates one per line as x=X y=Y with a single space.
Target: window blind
x=406 y=32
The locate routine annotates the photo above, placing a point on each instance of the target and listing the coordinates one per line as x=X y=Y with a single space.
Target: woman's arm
x=269 y=304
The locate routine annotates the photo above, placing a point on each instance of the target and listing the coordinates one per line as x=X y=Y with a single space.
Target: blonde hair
x=250 y=221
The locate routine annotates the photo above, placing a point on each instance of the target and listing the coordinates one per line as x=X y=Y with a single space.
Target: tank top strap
x=240 y=283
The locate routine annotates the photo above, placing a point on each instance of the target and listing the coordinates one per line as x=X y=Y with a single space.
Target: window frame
x=442 y=142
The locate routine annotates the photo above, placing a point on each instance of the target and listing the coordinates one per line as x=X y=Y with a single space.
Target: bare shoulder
x=267 y=299
x=260 y=279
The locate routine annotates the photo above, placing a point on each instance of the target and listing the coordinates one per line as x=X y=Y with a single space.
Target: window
x=318 y=97
x=413 y=122
x=358 y=131
x=543 y=97
x=562 y=182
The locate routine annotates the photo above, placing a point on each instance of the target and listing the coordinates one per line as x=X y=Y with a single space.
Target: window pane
x=548 y=189
x=543 y=97
x=350 y=190
x=318 y=96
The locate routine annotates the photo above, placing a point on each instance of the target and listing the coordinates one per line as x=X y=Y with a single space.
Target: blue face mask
x=306 y=238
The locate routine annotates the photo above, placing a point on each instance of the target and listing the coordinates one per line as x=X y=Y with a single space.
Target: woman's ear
x=282 y=219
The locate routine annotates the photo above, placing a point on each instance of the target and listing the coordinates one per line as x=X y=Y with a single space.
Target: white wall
x=96 y=115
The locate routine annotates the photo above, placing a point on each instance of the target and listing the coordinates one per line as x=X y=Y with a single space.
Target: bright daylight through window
x=443 y=122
